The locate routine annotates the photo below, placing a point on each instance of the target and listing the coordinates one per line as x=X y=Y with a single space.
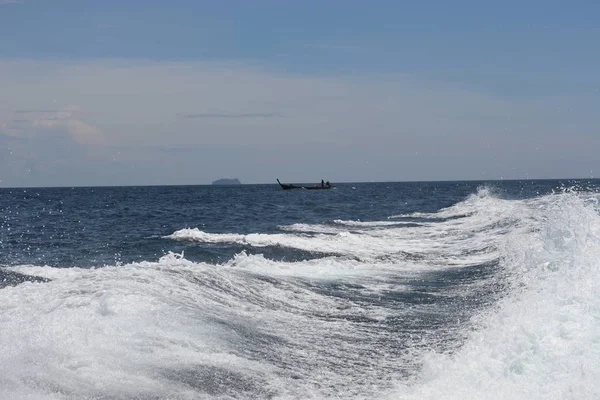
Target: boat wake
x=488 y=298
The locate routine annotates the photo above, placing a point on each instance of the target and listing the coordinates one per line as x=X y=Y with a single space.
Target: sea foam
x=543 y=340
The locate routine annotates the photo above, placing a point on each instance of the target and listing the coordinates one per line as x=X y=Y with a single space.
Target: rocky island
x=234 y=181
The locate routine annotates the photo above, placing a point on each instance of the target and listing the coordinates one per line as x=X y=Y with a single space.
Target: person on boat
x=322 y=183
x=327 y=184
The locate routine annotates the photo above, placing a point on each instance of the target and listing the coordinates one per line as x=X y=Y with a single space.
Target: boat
x=315 y=187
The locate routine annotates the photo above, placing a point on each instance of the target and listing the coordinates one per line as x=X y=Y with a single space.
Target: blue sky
x=184 y=92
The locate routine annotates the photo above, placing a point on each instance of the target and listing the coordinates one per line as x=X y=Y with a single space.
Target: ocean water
x=451 y=290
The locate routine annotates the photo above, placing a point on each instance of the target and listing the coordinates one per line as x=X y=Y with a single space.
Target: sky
x=134 y=92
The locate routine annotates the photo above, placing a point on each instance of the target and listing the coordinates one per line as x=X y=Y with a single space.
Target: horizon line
x=275 y=183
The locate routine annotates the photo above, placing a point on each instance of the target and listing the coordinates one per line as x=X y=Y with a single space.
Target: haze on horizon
x=187 y=92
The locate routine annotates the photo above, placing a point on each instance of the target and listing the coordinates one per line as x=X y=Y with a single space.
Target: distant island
x=234 y=181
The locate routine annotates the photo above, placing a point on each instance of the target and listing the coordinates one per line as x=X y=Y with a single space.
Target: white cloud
x=245 y=118
x=78 y=130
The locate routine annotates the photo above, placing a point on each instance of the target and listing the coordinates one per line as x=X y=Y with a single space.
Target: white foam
x=367 y=223
x=312 y=228
x=110 y=330
x=134 y=330
x=543 y=341
x=343 y=243
x=470 y=239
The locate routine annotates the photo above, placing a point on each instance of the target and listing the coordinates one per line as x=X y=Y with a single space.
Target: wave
x=175 y=328
x=490 y=298
x=470 y=238
x=542 y=341
x=341 y=226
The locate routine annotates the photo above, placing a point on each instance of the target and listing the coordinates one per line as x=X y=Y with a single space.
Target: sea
x=418 y=290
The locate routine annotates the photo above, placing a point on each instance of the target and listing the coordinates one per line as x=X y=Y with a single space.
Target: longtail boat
x=315 y=187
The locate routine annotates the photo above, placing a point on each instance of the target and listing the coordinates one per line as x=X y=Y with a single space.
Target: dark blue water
x=86 y=227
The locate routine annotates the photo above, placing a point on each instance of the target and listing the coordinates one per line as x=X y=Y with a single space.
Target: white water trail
x=542 y=341
x=254 y=327
x=467 y=237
